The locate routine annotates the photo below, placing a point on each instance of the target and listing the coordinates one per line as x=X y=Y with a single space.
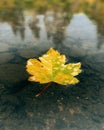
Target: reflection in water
x=55 y=29
x=15 y=18
x=49 y=28
x=17 y=23
x=49 y=23
x=56 y=23
x=93 y=8
x=53 y=25
x=81 y=33
x=100 y=44
x=33 y=24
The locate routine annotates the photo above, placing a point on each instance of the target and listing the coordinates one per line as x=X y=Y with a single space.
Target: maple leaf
x=51 y=67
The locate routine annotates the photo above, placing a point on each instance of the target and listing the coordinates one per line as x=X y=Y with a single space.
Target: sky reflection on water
x=53 y=30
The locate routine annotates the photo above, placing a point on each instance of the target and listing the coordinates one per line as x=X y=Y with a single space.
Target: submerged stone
x=12 y=73
x=6 y=57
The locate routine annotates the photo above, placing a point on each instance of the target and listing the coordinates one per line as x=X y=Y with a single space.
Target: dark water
x=25 y=34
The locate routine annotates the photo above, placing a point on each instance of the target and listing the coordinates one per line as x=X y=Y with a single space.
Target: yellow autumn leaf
x=51 y=67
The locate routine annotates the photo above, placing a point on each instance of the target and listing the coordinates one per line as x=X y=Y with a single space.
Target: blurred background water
x=28 y=28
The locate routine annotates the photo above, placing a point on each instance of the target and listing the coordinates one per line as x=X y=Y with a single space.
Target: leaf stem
x=43 y=90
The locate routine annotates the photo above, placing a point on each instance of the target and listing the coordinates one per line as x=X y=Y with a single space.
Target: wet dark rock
x=3 y=89
x=101 y=94
x=60 y=124
x=10 y=99
x=27 y=53
x=96 y=58
x=12 y=73
x=5 y=57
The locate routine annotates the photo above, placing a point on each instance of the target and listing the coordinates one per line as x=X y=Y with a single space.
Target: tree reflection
x=56 y=23
x=12 y=11
x=15 y=17
x=17 y=23
x=33 y=24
